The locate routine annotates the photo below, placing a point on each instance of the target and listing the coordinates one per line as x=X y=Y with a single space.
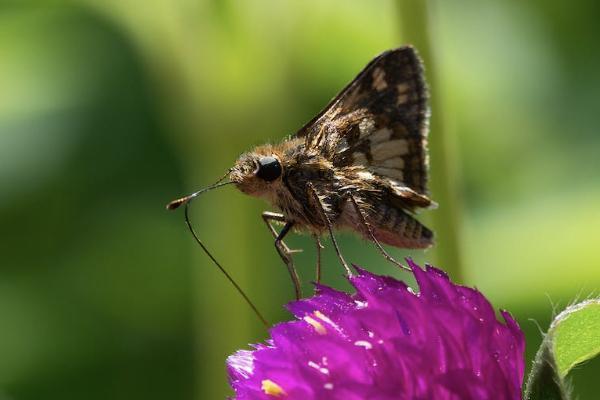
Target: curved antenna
x=186 y=200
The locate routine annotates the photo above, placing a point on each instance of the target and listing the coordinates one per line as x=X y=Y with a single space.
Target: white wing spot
x=402 y=88
x=379 y=82
x=380 y=135
x=402 y=99
x=389 y=149
x=396 y=162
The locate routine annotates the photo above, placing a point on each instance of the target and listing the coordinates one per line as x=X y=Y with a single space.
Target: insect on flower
x=360 y=164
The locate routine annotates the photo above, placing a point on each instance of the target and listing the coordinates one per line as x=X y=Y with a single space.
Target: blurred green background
x=109 y=109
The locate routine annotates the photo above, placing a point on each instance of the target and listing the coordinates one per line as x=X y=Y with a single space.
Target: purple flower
x=386 y=342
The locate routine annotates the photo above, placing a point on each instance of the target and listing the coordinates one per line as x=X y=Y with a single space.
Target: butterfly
x=360 y=164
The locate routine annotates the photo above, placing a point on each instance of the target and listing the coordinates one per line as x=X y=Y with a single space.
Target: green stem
x=544 y=382
x=414 y=19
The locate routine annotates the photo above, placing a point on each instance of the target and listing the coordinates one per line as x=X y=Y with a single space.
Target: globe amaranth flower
x=386 y=342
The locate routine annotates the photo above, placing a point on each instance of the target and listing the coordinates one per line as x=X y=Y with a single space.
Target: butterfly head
x=256 y=174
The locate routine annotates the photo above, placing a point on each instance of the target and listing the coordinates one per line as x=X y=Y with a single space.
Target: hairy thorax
x=305 y=177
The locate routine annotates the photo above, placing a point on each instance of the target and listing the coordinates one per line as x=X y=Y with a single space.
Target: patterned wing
x=379 y=122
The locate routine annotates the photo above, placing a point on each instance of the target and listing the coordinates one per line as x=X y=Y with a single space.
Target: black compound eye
x=269 y=168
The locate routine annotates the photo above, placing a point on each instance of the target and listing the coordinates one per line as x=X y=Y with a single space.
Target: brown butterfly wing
x=379 y=122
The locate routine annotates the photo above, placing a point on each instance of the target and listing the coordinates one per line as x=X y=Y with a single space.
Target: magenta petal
x=385 y=342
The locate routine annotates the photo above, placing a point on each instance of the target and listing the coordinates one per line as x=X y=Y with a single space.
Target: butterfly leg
x=318 y=269
x=364 y=223
x=284 y=252
x=321 y=209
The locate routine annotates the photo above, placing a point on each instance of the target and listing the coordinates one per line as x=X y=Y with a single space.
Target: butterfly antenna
x=186 y=201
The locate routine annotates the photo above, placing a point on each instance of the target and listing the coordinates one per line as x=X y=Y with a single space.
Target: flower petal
x=387 y=342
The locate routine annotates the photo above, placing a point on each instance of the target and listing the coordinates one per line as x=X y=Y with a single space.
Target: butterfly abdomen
x=397 y=228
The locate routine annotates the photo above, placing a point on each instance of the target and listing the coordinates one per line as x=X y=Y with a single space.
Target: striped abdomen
x=397 y=228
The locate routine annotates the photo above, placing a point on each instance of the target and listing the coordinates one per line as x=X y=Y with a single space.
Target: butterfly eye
x=269 y=168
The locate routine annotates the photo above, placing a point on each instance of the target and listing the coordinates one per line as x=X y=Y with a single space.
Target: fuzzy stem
x=544 y=382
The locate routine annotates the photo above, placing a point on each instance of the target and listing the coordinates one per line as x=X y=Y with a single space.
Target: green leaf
x=576 y=335
x=573 y=338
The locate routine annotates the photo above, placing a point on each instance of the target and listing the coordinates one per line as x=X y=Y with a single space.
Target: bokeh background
x=109 y=109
